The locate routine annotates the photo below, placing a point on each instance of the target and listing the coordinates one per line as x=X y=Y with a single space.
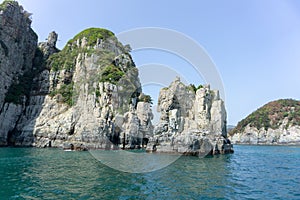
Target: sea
x=252 y=172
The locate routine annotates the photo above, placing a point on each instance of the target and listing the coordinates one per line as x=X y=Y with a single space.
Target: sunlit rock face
x=192 y=122
x=88 y=95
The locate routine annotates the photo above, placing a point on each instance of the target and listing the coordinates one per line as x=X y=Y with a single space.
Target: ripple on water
x=253 y=172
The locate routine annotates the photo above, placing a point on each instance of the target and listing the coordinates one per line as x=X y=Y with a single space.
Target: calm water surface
x=252 y=172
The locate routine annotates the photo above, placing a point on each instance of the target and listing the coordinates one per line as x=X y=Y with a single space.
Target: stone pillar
x=52 y=39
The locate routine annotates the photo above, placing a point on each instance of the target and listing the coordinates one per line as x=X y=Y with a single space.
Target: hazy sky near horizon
x=255 y=44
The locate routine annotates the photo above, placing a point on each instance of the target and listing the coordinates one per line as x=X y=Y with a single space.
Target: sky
x=254 y=44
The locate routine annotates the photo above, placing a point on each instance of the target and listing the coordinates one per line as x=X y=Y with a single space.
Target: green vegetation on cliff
x=66 y=58
x=92 y=35
x=193 y=88
x=145 y=98
x=272 y=115
x=5 y=3
x=100 y=43
x=111 y=74
x=65 y=92
x=23 y=84
x=20 y=88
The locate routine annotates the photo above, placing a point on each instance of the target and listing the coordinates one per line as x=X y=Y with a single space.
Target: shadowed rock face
x=191 y=123
x=18 y=45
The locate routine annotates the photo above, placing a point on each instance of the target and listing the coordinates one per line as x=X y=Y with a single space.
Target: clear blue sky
x=255 y=44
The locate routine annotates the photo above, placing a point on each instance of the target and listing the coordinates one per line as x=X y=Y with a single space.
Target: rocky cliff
x=94 y=96
x=88 y=95
x=276 y=123
x=18 y=50
x=192 y=122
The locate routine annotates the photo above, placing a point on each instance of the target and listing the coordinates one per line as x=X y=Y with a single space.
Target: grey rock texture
x=283 y=135
x=190 y=123
x=101 y=114
x=18 y=45
x=89 y=95
x=86 y=96
x=48 y=48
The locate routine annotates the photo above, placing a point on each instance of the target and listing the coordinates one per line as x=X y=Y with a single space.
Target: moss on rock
x=92 y=35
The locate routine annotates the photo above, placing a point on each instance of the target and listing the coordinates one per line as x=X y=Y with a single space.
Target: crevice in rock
x=2 y=107
x=72 y=129
x=13 y=134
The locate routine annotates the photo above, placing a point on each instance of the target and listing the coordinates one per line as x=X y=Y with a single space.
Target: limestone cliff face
x=190 y=123
x=281 y=136
x=93 y=98
x=18 y=45
x=86 y=95
x=276 y=123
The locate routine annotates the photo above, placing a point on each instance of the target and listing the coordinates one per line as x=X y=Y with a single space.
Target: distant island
x=88 y=96
x=276 y=123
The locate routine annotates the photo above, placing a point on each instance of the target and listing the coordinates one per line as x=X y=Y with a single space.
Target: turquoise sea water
x=252 y=172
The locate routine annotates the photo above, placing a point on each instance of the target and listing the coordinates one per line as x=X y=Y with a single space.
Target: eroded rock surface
x=18 y=45
x=88 y=95
x=192 y=123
